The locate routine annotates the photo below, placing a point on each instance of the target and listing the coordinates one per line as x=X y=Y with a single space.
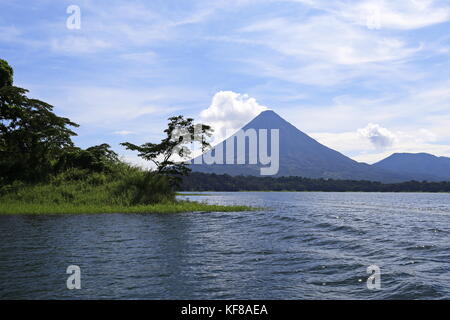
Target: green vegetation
x=42 y=171
x=179 y=133
x=32 y=137
x=174 y=207
x=197 y=181
x=125 y=189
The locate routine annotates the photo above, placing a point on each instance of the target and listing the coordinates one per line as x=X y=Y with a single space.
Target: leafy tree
x=179 y=133
x=31 y=135
x=6 y=74
x=95 y=159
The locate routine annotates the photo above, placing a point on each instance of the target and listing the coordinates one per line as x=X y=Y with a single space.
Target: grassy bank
x=170 y=207
x=123 y=190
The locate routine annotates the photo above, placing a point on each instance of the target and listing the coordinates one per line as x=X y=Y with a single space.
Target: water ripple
x=303 y=246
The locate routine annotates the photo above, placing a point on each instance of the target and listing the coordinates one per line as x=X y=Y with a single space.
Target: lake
x=299 y=246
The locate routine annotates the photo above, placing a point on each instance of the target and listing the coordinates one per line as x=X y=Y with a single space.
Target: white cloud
x=79 y=45
x=360 y=147
x=334 y=46
x=325 y=50
x=112 y=25
x=402 y=15
x=140 y=57
x=327 y=38
x=123 y=132
x=9 y=33
x=112 y=106
x=408 y=145
x=346 y=142
x=137 y=161
x=427 y=136
x=229 y=111
x=389 y=76
x=425 y=106
x=380 y=137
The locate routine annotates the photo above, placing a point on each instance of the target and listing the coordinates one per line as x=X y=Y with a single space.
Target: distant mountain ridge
x=301 y=155
x=438 y=168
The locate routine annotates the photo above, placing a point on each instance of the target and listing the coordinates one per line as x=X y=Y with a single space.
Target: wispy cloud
x=403 y=15
x=111 y=105
x=316 y=62
x=325 y=50
x=123 y=132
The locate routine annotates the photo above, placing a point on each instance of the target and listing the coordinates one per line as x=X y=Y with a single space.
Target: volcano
x=299 y=155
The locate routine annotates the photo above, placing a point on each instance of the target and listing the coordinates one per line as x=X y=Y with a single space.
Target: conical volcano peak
x=268 y=114
x=298 y=154
x=267 y=119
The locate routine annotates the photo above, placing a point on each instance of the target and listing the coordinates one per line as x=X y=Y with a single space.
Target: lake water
x=301 y=246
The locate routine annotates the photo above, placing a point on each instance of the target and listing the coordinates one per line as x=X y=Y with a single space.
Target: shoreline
x=306 y=191
x=162 y=208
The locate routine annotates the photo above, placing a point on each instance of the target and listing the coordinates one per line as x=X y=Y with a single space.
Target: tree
x=31 y=135
x=98 y=158
x=179 y=133
x=6 y=74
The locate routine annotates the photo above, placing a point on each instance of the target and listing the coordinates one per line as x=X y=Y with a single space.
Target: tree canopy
x=95 y=159
x=6 y=74
x=32 y=136
x=180 y=133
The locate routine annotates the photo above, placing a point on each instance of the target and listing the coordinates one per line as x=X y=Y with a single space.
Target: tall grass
x=124 y=186
x=124 y=189
x=169 y=207
x=144 y=188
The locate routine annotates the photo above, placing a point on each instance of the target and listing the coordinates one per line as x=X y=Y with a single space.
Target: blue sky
x=367 y=78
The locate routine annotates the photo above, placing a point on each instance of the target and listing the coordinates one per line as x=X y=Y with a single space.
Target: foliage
x=96 y=159
x=147 y=188
x=6 y=74
x=179 y=133
x=124 y=185
x=31 y=135
x=41 y=171
x=197 y=181
x=125 y=189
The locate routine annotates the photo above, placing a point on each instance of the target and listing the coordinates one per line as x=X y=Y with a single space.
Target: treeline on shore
x=40 y=164
x=198 y=181
x=43 y=171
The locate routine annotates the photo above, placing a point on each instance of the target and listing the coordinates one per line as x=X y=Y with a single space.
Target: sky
x=367 y=78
